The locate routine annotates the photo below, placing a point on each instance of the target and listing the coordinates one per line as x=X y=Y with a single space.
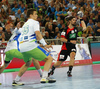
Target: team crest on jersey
x=61 y=56
x=72 y=35
x=25 y=30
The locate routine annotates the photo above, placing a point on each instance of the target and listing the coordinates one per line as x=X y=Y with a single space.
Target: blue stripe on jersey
x=16 y=38
x=44 y=51
x=33 y=35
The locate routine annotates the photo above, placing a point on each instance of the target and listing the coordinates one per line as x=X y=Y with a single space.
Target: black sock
x=70 y=68
x=53 y=68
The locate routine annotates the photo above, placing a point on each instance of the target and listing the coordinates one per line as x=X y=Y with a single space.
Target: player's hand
x=48 y=46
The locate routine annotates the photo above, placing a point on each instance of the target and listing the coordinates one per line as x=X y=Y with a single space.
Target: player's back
x=12 y=43
x=27 y=39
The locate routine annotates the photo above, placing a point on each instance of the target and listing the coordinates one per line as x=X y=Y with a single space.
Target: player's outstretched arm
x=41 y=39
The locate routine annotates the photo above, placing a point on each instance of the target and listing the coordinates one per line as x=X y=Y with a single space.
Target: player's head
x=32 y=13
x=72 y=20
x=21 y=23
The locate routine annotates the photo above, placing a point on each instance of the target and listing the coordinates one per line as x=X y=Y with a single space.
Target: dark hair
x=69 y=18
x=30 y=11
x=21 y=23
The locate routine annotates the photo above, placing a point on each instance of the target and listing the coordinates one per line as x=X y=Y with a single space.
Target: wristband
x=42 y=41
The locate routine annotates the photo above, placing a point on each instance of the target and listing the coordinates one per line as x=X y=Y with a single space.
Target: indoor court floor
x=83 y=77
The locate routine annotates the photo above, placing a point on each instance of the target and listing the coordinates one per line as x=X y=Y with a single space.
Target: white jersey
x=27 y=39
x=12 y=43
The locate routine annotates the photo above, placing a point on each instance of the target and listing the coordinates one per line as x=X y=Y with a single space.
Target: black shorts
x=65 y=53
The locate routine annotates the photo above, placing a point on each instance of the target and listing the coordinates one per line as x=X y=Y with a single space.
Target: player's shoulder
x=65 y=29
x=34 y=21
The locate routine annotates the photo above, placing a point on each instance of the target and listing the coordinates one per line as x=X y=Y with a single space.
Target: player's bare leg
x=57 y=64
x=37 y=66
x=71 y=63
x=48 y=62
x=4 y=66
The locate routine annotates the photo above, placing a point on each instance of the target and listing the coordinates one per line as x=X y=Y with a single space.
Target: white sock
x=40 y=71
x=45 y=74
x=17 y=78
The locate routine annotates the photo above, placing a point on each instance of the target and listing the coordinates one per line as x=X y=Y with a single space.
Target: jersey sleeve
x=63 y=34
x=36 y=26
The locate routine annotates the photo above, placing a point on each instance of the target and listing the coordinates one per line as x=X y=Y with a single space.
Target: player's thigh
x=62 y=55
x=37 y=53
x=14 y=53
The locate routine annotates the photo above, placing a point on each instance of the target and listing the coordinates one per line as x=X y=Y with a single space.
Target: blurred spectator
x=1 y=34
x=62 y=13
x=25 y=13
x=50 y=31
x=46 y=36
x=0 y=6
x=69 y=11
x=97 y=29
x=7 y=33
x=15 y=8
x=54 y=24
x=2 y=24
x=66 y=7
x=22 y=8
x=19 y=3
x=70 y=4
x=13 y=4
x=51 y=10
x=57 y=12
x=43 y=31
x=95 y=11
x=57 y=3
x=3 y=13
x=60 y=24
x=9 y=20
x=75 y=9
x=57 y=31
x=4 y=5
x=38 y=4
x=88 y=31
x=18 y=14
x=40 y=13
x=46 y=19
x=22 y=17
x=95 y=20
x=16 y=21
x=57 y=35
x=12 y=16
x=90 y=23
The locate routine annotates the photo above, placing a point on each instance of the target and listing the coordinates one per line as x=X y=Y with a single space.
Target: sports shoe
x=69 y=74
x=17 y=83
x=47 y=80
x=50 y=73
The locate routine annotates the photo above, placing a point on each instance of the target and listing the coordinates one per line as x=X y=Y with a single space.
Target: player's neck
x=70 y=26
x=31 y=18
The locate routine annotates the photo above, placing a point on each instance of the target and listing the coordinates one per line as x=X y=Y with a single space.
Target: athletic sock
x=17 y=78
x=40 y=71
x=53 y=68
x=70 y=68
x=45 y=74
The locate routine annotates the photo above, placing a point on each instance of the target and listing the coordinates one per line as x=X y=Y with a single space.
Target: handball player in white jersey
x=29 y=47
